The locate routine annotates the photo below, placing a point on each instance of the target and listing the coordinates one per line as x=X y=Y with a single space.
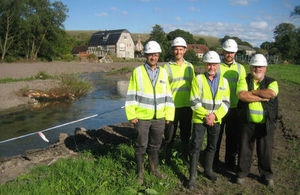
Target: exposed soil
x=288 y=129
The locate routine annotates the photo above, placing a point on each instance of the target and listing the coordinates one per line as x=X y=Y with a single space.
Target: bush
x=192 y=57
x=92 y=57
x=67 y=57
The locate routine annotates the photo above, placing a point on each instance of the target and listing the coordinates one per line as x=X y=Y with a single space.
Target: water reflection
x=99 y=101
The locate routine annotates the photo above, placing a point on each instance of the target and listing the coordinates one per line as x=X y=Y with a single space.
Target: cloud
x=239 y=2
x=101 y=14
x=193 y=9
x=178 y=18
x=113 y=8
x=254 y=36
x=259 y=25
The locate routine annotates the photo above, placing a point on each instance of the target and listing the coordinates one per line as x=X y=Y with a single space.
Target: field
x=103 y=163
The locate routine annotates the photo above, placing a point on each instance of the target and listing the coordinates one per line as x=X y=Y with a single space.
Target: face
x=258 y=72
x=152 y=59
x=179 y=52
x=228 y=56
x=211 y=68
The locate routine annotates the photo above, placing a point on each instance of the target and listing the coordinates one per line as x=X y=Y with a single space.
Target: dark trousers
x=198 y=136
x=150 y=134
x=250 y=133
x=184 y=117
x=230 y=124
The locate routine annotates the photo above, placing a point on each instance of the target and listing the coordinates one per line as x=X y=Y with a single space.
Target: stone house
x=115 y=42
x=249 y=51
x=198 y=48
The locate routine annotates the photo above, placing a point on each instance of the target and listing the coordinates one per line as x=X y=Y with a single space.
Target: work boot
x=193 y=171
x=153 y=162
x=140 y=168
x=208 y=172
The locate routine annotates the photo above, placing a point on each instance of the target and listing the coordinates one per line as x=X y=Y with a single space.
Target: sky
x=250 y=20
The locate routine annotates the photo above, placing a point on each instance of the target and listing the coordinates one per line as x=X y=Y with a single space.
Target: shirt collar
x=173 y=62
x=147 y=66
x=207 y=75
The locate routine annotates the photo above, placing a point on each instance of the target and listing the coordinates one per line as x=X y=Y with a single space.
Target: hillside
x=84 y=35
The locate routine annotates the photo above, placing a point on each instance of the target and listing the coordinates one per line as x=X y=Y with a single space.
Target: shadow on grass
x=102 y=141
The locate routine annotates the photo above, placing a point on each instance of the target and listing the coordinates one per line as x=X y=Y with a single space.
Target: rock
x=62 y=137
x=122 y=87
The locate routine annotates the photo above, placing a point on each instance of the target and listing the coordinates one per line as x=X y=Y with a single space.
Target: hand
x=167 y=122
x=210 y=119
x=134 y=121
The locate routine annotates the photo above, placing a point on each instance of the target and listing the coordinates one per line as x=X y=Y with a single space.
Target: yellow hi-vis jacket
x=180 y=78
x=233 y=74
x=144 y=101
x=202 y=101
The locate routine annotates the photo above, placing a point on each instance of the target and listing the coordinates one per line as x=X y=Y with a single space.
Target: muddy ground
x=288 y=130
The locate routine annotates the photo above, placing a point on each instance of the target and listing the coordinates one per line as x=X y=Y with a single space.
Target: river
x=103 y=100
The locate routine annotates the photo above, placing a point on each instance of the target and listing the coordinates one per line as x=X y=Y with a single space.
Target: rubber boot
x=140 y=168
x=153 y=162
x=208 y=172
x=193 y=171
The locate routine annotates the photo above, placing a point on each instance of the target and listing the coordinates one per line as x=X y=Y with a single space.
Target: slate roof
x=78 y=49
x=198 y=48
x=107 y=37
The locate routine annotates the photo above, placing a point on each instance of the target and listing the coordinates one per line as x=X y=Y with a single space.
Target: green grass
x=39 y=76
x=285 y=72
x=112 y=173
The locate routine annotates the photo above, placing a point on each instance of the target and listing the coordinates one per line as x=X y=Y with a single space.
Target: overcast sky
x=250 y=20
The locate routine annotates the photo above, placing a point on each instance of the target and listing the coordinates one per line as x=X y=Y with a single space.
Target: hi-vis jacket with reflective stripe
x=180 y=78
x=143 y=101
x=233 y=74
x=202 y=101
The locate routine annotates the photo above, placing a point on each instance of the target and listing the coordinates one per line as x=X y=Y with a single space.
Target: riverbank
x=9 y=98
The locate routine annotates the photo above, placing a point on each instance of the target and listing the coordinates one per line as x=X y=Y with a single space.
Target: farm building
x=198 y=48
x=116 y=42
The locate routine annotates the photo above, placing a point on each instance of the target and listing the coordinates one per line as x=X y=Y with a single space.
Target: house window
x=122 y=47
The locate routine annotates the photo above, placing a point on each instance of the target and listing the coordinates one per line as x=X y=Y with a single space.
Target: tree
x=286 y=41
x=188 y=37
x=296 y=11
x=42 y=22
x=9 y=17
x=159 y=35
x=201 y=41
x=237 y=39
x=192 y=57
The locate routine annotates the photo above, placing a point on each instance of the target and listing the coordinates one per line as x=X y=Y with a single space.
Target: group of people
x=221 y=98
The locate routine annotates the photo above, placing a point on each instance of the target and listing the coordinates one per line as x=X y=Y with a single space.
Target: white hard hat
x=230 y=45
x=211 y=57
x=178 y=41
x=258 y=60
x=152 y=47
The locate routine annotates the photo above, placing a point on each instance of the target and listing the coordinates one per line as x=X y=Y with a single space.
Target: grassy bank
x=39 y=76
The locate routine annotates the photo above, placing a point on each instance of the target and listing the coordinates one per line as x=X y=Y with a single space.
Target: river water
x=103 y=100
